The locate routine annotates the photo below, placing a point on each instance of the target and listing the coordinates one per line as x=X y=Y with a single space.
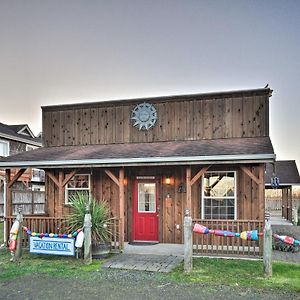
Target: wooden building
x=156 y=159
x=16 y=139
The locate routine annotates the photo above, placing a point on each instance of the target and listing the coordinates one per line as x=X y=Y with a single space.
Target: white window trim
x=226 y=197
x=8 y=146
x=31 y=146
x=77 y=189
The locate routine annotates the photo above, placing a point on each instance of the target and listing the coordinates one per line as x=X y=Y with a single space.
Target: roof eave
x=20 y=139
x=143 y=161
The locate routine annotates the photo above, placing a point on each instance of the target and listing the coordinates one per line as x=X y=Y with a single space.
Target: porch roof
x=233 y=150
x=285 y=170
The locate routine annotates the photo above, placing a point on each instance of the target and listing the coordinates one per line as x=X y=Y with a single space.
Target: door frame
x=136 y=181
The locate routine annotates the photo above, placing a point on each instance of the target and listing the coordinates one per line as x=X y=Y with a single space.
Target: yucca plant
x=100 y=214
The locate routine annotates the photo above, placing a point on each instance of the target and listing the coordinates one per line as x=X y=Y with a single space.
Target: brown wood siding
x=225 y=117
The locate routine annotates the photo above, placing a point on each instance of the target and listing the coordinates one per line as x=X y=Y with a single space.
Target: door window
x=146 y=197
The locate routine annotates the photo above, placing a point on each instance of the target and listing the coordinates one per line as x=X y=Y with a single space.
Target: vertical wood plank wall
x=188 y=119
x=104 y=189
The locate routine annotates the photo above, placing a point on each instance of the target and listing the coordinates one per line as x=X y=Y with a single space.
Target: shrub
x=100 y=214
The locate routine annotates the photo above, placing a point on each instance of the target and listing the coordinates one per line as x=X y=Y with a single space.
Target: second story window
x=4 y=148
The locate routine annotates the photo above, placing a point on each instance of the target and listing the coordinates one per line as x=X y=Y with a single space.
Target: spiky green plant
x=100 y=214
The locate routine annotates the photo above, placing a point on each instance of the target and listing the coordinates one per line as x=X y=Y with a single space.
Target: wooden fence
x=276 y=204
x=212 y=245
x=56 y=225
x=31 y=202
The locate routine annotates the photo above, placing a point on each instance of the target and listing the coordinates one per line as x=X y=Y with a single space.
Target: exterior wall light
x=168 y=180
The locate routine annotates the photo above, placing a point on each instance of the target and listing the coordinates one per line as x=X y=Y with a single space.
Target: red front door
x=145 y=215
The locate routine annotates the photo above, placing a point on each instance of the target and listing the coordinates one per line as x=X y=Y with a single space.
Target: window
x=4 y=148
x=79 y=183
x=146 y=197
x=219 y=195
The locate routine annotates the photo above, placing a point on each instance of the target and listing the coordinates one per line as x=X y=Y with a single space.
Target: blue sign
x=54 y=246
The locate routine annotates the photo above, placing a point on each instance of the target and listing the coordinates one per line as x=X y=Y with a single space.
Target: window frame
x=155 y=198
x=31 y=146
x=8 y=147
x=203 y=197
x=67 y=189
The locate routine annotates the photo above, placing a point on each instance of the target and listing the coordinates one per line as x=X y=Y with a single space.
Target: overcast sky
x=54 y=52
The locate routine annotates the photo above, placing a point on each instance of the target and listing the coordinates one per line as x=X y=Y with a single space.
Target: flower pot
x=100 y=250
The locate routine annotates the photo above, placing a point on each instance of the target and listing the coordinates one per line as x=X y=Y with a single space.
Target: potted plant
x=101 y=221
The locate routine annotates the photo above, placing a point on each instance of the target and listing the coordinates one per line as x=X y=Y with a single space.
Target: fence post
x=17 y=255
x=267 y=249
x=87 y=225
x=188 y=243
x=295 y=216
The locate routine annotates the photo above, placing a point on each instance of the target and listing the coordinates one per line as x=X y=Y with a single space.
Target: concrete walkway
x=158 y=249
x=143 y=262
x=154 y=258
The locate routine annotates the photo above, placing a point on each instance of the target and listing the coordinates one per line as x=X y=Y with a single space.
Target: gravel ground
x=122 y=284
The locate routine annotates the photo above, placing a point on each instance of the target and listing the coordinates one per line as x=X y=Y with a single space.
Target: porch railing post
x=188 y=244
x=87 y=225
x=267 y=249
x=18 y=253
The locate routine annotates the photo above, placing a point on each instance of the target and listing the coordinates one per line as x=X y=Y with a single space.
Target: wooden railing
x=38 y=224
x=114 y=235
x=210 y=244
x=57 y=225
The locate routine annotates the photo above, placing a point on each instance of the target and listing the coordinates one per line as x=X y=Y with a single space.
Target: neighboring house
x=288 y=176
x=16 y=139
x=157 y=159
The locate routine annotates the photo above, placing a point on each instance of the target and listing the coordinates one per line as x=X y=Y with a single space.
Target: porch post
x=188 y=190
x=60 y=194
x=121 y=189
x=8 y=193
x=261 y=191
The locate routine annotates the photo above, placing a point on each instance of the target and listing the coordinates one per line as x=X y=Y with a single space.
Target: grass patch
x=240 y=273
x=211 y=272
x=1 y=232
x=56 y=266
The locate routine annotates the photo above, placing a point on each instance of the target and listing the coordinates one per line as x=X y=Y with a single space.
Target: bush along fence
x=51 y=243
x=251 y=235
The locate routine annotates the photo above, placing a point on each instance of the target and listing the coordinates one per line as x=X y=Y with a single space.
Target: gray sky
x=54 y=52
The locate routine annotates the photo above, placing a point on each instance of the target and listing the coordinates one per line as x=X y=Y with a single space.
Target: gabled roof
x=22 y=129
x=285 y=170
x=233 y=150
x=16 y=133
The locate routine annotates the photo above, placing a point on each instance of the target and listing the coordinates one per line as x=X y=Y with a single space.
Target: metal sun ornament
x=144 y=116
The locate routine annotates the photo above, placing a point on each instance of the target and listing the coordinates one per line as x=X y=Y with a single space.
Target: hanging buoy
x=249 y=235
x=286 y=239
x=15 y=227
x=13 y=244
x=79 y=240
x=224 y=233
x=200 y=229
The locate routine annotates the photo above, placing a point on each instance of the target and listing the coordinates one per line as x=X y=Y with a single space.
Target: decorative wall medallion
x=144 y=116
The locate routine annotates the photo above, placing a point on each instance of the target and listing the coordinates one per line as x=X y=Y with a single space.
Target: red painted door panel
x=145 y=215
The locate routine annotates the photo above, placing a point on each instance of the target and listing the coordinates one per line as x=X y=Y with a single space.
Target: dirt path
x=125 y=285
